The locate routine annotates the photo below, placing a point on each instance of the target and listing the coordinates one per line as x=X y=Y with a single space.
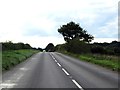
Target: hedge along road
x=55 y=70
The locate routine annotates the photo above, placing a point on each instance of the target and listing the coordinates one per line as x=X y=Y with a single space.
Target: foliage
x=72 y=31
x=60 y=47
x=102 y=61
x=14 y=46
x=50 y=47
x=76 y=46
x=107 y=61
x=106 y=48
x=98 y=49
x=12 y=57
x=40 y=49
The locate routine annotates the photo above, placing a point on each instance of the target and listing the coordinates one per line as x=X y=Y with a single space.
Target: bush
x=117 y=50
x=98 y=49
x=78 y=47
x=14 y=46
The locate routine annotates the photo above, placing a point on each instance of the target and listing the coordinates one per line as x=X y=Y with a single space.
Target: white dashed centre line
x=77 y=84
x=65 y=71
x=54 y=58
x=67 y=74
x=55 y=61
x=59 y=65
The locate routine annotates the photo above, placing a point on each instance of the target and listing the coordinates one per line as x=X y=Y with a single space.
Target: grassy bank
x=13 y=57
x=107 y=61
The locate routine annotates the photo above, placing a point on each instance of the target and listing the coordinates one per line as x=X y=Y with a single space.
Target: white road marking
x=59 y=65
x=55 y=60
x=52 y=56
x=77 y=84
x=65 y=71
x=68 y=74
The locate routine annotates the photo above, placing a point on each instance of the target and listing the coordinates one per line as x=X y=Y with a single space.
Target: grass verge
x=111 y=62
x=14 y=57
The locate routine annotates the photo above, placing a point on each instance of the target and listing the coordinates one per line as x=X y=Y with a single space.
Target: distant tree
x=27 y=46
x=14 y=46
x=40 y=49
x=72 y=31
x=7 y=45
x=50 y=47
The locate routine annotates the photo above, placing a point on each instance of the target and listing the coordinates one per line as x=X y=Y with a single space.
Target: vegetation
x=14 y=46
x=72 y=31
x=12 y=57
x=108 y=61
x=77 y=45
x=50 y=47
x=14 y=53
x=106 y=48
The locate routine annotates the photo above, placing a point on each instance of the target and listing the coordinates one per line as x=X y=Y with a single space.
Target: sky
x=36 y=21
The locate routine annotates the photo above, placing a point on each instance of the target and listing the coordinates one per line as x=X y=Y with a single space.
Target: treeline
x=106 y=48
x=79 y=47
x=16 y=46
x=78 y=41
x=50 y=48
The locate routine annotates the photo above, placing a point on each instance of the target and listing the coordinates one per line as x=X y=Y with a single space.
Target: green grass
x=13 y=57
x=0 y=62
x=102 y=60
x=108 y=61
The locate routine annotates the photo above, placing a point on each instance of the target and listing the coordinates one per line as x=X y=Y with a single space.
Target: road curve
x=55 y=70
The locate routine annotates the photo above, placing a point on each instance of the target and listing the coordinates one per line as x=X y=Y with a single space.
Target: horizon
x=110 y=41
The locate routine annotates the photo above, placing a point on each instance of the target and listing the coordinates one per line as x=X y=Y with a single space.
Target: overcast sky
x=36 y=21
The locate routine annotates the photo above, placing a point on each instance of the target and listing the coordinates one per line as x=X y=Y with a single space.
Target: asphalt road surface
x=55 y=70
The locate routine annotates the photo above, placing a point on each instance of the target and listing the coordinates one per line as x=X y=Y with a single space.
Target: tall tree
x=50 y=47
x=71 y=31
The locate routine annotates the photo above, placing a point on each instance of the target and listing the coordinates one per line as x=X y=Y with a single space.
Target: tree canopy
x=15 y=46
x=72 y=30
x=50 y=47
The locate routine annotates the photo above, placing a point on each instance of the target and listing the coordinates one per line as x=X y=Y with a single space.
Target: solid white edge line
x=77 y=84
x=65 y=71
x=59 y=64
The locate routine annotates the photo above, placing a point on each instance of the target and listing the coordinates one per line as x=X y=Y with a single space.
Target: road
x=55 y=70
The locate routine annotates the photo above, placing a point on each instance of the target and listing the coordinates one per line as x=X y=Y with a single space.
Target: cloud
x=32 y=20
x=108 y=30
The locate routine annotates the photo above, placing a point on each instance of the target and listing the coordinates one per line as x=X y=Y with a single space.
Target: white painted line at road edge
x=65 y=71
x=58 y=64
x=77 y=84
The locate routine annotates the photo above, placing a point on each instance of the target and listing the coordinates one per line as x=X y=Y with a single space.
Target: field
x=108 y=61
x=13 y=57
